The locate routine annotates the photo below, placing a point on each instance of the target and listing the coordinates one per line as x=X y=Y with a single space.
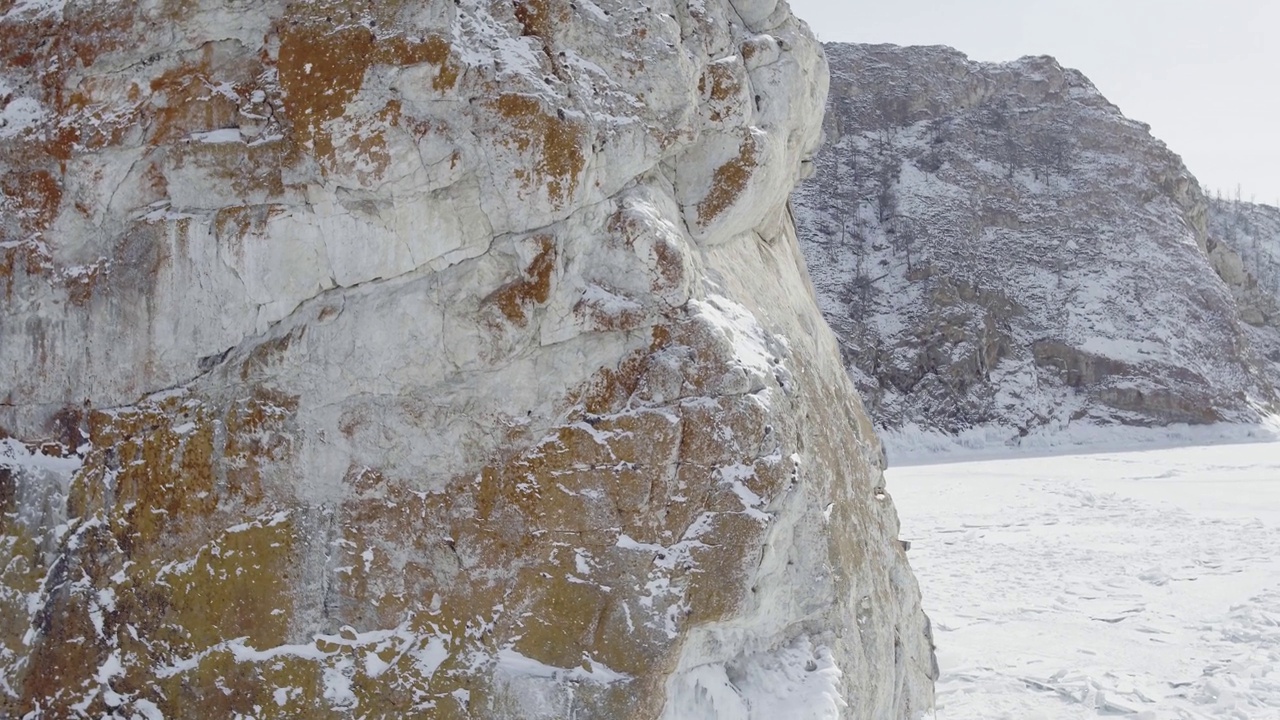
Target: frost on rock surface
x=1244 y=241
x=1000 y=250
x=428 y=359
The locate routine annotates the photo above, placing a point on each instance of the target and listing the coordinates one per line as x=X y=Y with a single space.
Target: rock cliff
x=998 y=247
x=428 y=359
x=1244 y=243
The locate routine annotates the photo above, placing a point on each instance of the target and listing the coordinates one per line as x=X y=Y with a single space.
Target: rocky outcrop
x=998 y=247
x=428 y=360
x=1244 y=246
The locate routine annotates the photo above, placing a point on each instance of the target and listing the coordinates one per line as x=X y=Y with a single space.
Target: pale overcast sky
x=1205 y=74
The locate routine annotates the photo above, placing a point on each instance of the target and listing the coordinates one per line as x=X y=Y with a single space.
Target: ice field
x=1139 y=584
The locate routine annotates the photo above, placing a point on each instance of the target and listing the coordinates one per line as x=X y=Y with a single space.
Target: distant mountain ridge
x=998 y=247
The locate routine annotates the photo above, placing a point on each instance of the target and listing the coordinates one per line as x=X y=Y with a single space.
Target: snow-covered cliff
x=1244 y=243
x=998 y=248
x=447 y=359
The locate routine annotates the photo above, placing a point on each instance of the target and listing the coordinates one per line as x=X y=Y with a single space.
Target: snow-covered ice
x=1138 y=584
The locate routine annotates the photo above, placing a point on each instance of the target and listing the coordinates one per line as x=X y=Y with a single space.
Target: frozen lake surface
x=1142 y=585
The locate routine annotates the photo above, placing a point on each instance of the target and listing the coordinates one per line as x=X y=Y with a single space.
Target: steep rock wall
x=428 y=359
x=1244 y=244
x=998 y=247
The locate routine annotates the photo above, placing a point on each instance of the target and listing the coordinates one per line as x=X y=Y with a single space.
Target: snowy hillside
x=999 y=248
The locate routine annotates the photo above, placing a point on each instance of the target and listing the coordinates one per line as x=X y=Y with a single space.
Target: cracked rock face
x=1244 y=246
x=998 y=248
x=428 y=359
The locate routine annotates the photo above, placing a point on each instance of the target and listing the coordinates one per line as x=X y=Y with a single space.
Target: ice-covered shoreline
x=912 y=445
x=1143 y=583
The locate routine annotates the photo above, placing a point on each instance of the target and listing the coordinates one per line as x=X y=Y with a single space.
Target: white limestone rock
x=453 y=359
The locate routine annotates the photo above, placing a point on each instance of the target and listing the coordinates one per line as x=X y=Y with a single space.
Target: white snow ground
x=1138 y=584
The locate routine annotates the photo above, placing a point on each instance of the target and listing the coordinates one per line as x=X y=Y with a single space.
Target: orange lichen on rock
x=433 y=49
x=186 y=101
x=253 y=170
x=503 y=543
x=165 y=559
x=321 y=71
x=527 y=539
x=64 y=48
x=669 y=270
x=363 y=149
x=523 y=556
x=33 y=197
x=82 y=282
x=21 y=567
x=29 y=203
x=556 y=141
x=724 y=82
x=269 y=352
x=30 y=257
x=66 y=40
x=610 y=315
x=176 y=521
x=538 y=18
x=729 y=182
x=721 y=86
x=242 y=221
x=515 y=298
